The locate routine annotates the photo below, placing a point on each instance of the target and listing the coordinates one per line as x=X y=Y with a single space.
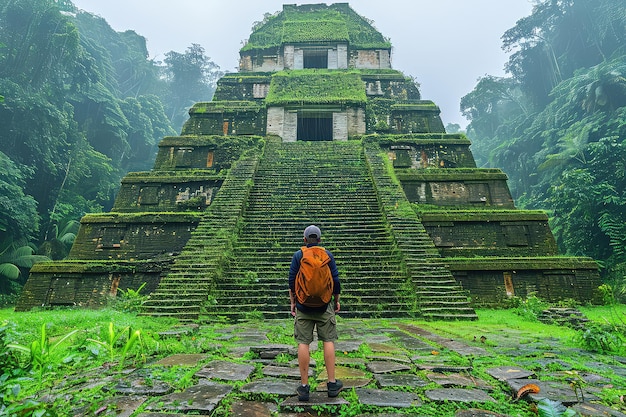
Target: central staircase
x=327 y=184
x=237 y=267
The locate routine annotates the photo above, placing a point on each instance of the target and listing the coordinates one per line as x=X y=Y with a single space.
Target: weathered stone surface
x=202 y=398
x=348 y=346
x=344 y=373
x=249 y=409
x=121 y=406
x=458 y=380
x=275 y=386
x=181 y=359
x=348 y=383
x=384 y=348
x=225 y=370
x=459 y=395
x=316 y=398
x=394 y=358
x=399 y=380
x=384 y=398
x=283 y=371
x=384 y=367
x=504 y=373
x=553 y=390
x=473 y=412
x=596 y=410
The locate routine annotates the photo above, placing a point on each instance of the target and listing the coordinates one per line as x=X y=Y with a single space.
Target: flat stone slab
x=458 y=380
x=348 y=346
x=394 y=358
x=399 y=380
x=347 y=384
x=181 y=359
x=504 y=373
x=385 y=398
x=316 y=398
x=225 y=370
x=384 y=348
x=459 y=395
x=201 y=398
x=344 y=373
x=553 y=390
x=276 y=386
x=283 y=371
x=474 y=412
x=271 y=347
x=121 y=406
x=250 y=409
x=385 y=367
x=596 y=410
x=345 y=360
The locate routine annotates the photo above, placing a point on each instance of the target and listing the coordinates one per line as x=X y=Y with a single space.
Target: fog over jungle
x=446 y=44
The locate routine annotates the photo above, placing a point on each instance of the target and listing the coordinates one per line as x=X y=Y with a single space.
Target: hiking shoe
x=334 y=388
x=303 y=392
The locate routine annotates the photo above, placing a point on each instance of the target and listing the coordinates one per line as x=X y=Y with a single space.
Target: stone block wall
x=158 y=193
x=491 y=284
x=87 y=284
x=430 y=151
x=212 y=152
x=451 y=191
x=370 y=59
x=140 y=236
x=500 y=234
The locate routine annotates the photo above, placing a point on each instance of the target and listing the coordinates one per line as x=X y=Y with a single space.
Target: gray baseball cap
x=312 y=230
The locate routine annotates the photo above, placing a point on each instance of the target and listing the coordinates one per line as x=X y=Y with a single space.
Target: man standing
x=314 y=310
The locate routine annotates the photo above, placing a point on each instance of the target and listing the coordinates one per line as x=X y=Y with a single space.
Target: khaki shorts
x=326 y=324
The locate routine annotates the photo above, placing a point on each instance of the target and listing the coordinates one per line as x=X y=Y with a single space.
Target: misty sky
x=446 y=45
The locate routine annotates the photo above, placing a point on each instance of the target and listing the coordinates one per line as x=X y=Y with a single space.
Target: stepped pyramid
x=316 y=127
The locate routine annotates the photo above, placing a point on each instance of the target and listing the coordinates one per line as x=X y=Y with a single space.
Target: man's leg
x=329 y=360
x=304 y=359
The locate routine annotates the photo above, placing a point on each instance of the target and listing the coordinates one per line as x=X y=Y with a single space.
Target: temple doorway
x=315 y=58
x=315 y=126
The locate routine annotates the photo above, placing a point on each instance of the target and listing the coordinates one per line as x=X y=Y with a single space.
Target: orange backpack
x=314 y=282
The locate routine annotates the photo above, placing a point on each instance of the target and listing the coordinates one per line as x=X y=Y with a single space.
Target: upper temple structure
x=315 y=128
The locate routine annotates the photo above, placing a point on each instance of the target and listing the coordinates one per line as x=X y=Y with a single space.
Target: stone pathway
x=388 y=369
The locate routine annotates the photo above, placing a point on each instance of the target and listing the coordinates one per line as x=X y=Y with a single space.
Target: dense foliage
x=80 y=106
x=557 y=125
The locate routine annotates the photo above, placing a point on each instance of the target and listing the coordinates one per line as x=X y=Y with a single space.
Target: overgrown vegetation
x=556 y=125
x=40 y=349
x=315 y=22
x=82 y=105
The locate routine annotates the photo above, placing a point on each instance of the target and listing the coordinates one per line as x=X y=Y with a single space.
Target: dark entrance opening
x=315 y=126
x=315 y=58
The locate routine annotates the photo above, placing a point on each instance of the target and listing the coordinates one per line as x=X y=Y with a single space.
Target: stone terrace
x=388 y=367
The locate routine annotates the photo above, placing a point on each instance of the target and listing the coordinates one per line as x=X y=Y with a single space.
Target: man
x=308 y=318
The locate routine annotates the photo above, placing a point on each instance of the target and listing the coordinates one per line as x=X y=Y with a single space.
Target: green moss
x=143 y=217
x=316 y=87
x=99 y=266
x=316 y=22
x=450 y=174
x=180 y=176
x=522 y=263
x=315 y=31
x=224 y=106
x=479 y=215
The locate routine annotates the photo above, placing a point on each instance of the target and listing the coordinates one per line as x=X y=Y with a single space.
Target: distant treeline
x=557 y=124
x=80 y=106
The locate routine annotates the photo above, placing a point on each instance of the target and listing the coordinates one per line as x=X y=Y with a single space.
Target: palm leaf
x=10 y=271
